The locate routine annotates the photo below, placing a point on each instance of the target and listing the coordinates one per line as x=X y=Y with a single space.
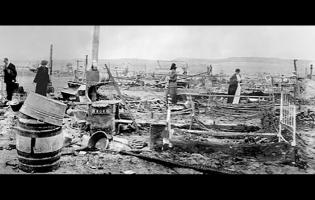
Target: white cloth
x=238 y=78
x=238 y=90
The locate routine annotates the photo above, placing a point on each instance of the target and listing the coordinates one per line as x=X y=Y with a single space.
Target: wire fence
x=287 y=118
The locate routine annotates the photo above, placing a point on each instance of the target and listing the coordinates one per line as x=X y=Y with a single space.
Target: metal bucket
x=156 y=136
x=102 y=122
x=44 y=109
x=38 y=145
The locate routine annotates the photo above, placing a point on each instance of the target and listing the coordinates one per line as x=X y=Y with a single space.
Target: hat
x=44 y=62
x=173 y=66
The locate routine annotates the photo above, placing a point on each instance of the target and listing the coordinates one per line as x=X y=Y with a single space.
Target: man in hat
x=9 y=78
x=42 y=78
x=172 y=84
x=234 y=84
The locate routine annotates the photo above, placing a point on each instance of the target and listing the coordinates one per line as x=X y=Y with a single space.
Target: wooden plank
x=171 y=164
x=237 y=95
x=225 y=134
x=220 y=95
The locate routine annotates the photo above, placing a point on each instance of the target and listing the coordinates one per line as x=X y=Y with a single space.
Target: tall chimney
x=95 y=45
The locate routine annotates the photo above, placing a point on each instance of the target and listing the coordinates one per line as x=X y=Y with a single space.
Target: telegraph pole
x=295 y=67
x=86 y=62
x=297 y=86
x=51 y=60
x=78 y=62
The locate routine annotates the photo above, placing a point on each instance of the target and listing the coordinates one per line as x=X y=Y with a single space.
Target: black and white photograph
x=157 y=99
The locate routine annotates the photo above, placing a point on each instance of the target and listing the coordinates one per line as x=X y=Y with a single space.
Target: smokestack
x=95 y=45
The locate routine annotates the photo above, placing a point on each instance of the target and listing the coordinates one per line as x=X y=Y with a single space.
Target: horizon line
x=174 y=59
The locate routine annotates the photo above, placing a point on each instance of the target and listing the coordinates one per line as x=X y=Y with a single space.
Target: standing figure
x=172 y=84
x=9 y=78
x=185 y=71
x=209 y=70
x=234 y=85
x=42 y=78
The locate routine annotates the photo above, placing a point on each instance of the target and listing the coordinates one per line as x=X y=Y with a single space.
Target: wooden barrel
x=156 y=136
x=38 y=145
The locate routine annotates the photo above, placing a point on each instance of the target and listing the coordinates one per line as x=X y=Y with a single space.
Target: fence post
x=294 y=126
x=281 y=115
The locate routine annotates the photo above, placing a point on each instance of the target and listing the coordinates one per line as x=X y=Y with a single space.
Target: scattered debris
x=129 y=172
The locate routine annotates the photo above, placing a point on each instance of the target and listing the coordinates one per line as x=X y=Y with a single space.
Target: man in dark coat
x=233 y=85
x=9 y=78
x=42 y=78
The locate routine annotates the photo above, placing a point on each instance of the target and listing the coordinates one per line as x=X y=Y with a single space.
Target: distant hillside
x=226 y=65
x=250 y=65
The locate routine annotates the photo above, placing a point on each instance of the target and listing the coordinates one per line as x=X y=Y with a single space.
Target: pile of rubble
x=309 y=89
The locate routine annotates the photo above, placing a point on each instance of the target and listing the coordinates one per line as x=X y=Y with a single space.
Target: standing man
x=172 y=83
x=209 y=70
x=234 y=85
x=9 y=78
x=42 y=78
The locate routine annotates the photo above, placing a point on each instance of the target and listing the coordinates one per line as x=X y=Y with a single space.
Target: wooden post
x=297 y=87
x=295 y=67
x=51 y=60
x=95 y=45
x=86 y=62
x=192 y=112
x=311 y=72
x=168 y=121
x=78 y=61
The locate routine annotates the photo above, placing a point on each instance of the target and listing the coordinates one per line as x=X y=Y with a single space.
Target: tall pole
x=78 y=62
x=51 y=60
x=95 y=45
x=295 y=68
x=86 y=62
x=297 y=86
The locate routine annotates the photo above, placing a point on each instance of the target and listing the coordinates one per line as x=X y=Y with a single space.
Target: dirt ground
x=112 y=162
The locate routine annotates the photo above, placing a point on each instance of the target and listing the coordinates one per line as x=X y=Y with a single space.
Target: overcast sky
x=159 y=42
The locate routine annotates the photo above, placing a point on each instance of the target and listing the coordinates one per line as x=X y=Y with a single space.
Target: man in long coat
x=172 y=84
x=233 y=85
x=9 y=78
x=42 y=78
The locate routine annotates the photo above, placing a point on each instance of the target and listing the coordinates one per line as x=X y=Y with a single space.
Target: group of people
x=41 y=78
x=234 y=84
